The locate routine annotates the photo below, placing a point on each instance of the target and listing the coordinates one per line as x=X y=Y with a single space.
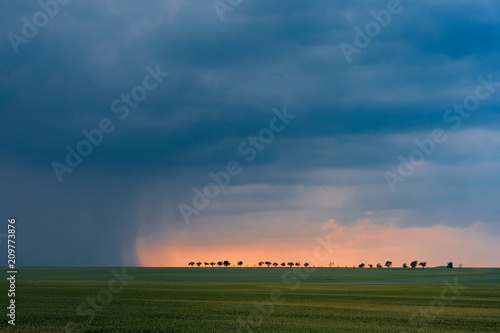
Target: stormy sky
x=374 y=123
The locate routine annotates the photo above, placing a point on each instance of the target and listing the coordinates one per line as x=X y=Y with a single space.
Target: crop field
x=105 y=299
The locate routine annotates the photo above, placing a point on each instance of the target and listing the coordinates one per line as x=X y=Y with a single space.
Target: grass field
x=480 y=276
x=256 y=300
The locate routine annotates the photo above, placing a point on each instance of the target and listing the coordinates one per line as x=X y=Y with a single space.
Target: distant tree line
x=226 y=263
x=387 y=264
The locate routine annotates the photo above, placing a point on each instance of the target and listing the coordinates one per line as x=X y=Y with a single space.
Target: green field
x=256 y=300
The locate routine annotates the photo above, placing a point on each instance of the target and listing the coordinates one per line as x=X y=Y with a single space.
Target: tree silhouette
x=414 y=264
x=240 y=263
x=275 y=264
x=388 y=264
x=191 y=263
x=283 y=264
x=306 y=264
x=423 y=264
x=450 y=265
x=219 y=263
x=371 y=266
x=226 y=263
x=198 y=263
x=206 y=264
x=290 y=264
x=379 y=265
x=405 y=266
x=361 y=265
x=331 y=264
x=261 y=263
x=212 y=264
x=297 y=264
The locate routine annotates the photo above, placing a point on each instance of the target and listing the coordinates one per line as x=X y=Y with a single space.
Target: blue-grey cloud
x=353 y=119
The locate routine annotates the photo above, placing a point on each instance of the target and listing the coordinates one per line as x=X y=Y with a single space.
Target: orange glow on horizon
x=350 y=245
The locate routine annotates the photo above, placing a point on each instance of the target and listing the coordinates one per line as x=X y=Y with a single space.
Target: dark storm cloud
x=222 y=77
x=225 y=78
